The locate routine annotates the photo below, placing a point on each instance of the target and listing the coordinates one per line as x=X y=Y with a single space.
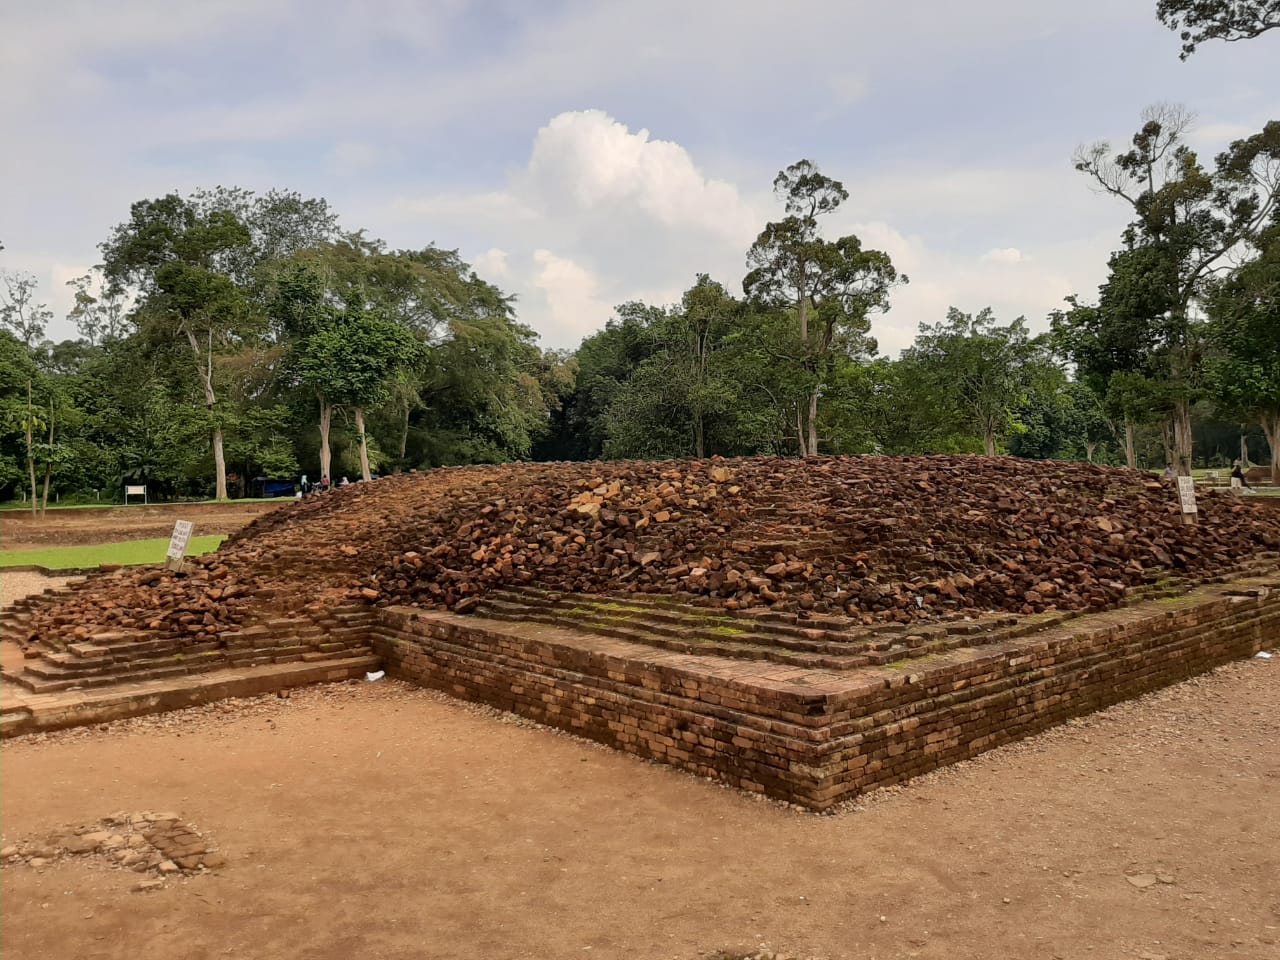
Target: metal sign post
x=178 y=544
x=1187 y=496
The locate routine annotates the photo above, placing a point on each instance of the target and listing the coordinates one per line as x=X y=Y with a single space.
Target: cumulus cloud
x=569 y=291
x=588 y=161
x=492 y=265
x=601 y=214
x=1003 y=255
x=945 y=160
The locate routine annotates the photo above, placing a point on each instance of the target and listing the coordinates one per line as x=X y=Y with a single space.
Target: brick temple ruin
x=805 y=629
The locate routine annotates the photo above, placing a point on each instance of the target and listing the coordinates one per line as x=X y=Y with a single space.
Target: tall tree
x=180 y=260
x=1187 y=220
x=1230 y=20
x=300 y=310
x=19 y=311
x=983 y=372
x=833 y=286
x=98 y=311
x=675 y=397
x=352 y=361
x=1244 y=328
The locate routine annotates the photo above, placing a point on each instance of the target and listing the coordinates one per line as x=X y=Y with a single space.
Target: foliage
x=20 y=314
x=1187 y=221
x=1229 y=20
x=832 y=286
x=980 y=373
x=1244 y=330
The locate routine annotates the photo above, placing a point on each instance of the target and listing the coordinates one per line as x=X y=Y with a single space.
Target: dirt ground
x=381 y=821
x=20 y=531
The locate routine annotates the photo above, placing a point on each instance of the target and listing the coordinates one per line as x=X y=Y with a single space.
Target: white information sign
x=178 y=542
x=1187 y=494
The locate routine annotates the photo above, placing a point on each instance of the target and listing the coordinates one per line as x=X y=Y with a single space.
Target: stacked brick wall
x=820 y=737
x=110 y=658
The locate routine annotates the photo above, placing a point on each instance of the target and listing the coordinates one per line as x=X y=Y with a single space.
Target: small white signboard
x=178 y=542
x=1187 y=494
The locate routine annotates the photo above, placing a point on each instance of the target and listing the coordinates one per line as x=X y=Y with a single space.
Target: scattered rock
x=163 y=843
x=802 y=536
x=1142 y=880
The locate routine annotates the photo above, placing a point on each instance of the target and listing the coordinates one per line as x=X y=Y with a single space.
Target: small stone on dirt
x=1142 y=880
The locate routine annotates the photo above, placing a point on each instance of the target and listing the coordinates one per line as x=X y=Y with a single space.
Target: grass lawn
x=129 y=553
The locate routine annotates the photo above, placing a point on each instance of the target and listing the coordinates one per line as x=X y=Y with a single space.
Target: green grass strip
x=129 y=553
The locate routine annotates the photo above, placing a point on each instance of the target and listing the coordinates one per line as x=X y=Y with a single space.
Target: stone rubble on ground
x=875 y=539
x=161 y=845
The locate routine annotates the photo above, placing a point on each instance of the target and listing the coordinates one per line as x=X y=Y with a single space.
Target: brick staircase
x=818 y=642
x=108 y=658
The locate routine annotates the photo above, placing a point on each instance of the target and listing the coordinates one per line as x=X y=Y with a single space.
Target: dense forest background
x=228 y=336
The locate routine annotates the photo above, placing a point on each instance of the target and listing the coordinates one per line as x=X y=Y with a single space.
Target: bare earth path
x=58 y=528
x=375 y=820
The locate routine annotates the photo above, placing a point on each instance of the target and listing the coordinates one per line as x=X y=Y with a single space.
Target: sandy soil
x=16 y=584
x=20 y=531
x=376 y=820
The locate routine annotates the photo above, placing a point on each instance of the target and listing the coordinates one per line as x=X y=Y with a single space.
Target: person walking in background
x=1237 y=478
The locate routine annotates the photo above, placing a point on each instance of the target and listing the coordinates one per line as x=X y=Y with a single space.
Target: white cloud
x=570 y=294
x=1003 y=255
x=946 y=158
x=590 y=161
x=492 y=265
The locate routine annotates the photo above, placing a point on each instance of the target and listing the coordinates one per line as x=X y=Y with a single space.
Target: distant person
x=1169 y=472
x=305 y=485
x=324 y=483
x=343 y=482
x=1237 y=478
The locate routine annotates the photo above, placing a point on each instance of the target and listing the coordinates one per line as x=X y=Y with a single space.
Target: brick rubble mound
x=877 y=539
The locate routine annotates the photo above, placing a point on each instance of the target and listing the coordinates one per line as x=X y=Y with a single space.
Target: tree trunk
x=219 y=464
x=364 y=446
x=31 y=453
x=404 y=437
x=813 y=423
x=1130 y=457
x=699 y=441
x=48 y=465
x=1271 y=427
x=804 y=452
x=1090 y=447
x=1182 y=437
x=204 y=367
x=326 y=421
x=989 y=442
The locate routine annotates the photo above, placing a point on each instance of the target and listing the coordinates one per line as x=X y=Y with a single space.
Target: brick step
x=865 y=644
x=736 y=651
x=157 y=671
x=13 y=723
x=694 y=610
x=714 y=627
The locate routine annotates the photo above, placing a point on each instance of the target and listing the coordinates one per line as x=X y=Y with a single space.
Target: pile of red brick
x=875 y=538
x=870 y=537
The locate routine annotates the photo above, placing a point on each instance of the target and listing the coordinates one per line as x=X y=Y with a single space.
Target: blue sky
x=585 y=153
